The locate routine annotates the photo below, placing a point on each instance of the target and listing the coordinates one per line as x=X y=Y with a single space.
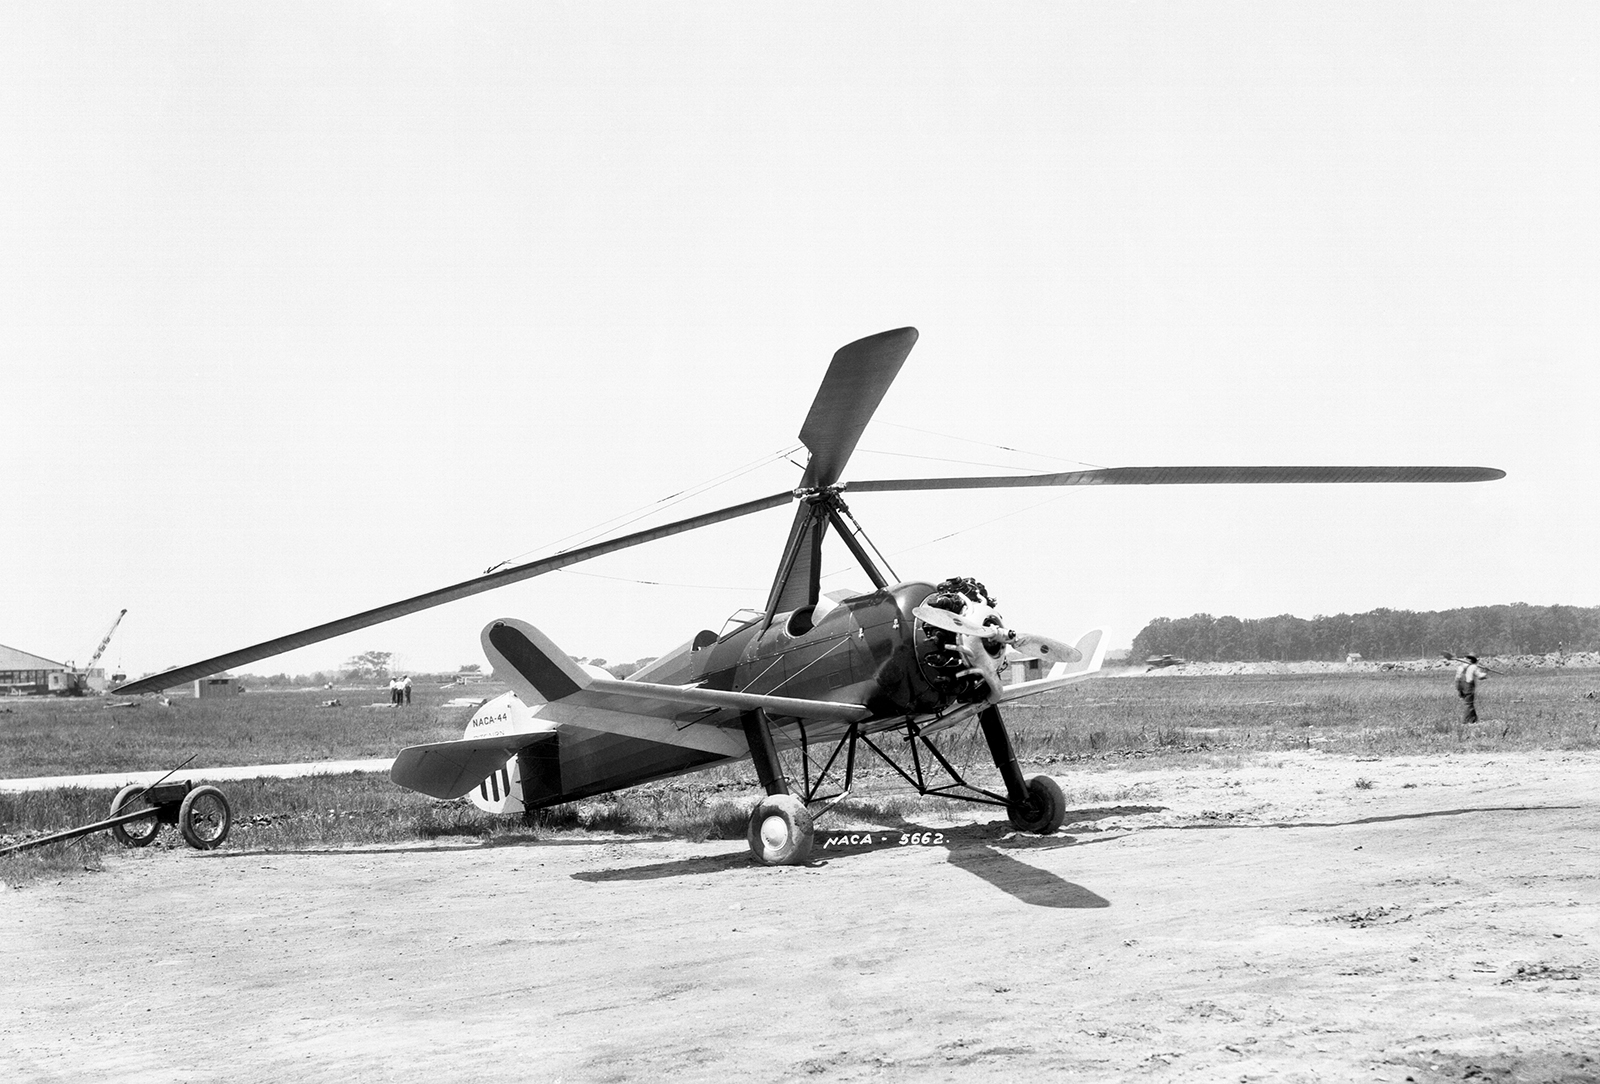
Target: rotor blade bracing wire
x=943 y=459
x=952 y=534
x=671 y=500
x=428 y=600
x=659 y=583
x=999 y=447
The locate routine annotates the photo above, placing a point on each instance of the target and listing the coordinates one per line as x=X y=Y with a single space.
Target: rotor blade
x=857 y=379
x=1177 y=476
x=1035 y=646
x=267 y=649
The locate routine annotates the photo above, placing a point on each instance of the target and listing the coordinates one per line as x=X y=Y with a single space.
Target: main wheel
x=1047 y=807
x=134 y=833
x=204 y=818
x=780 y=831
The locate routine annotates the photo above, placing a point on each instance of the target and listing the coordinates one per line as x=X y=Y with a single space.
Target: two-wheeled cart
x=201 y=813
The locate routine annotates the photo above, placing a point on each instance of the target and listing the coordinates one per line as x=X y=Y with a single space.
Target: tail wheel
x=780 y=831
x=1046 y=809
x=204 y=818
x=134 y=833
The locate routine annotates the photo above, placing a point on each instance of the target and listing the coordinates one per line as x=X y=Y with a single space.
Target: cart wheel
x=204 y=818
x=134 y=833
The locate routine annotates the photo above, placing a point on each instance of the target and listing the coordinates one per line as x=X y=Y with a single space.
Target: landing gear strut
x=780 y=830
x=1035 y=803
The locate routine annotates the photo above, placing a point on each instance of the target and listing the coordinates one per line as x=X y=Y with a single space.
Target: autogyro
x=825 y=676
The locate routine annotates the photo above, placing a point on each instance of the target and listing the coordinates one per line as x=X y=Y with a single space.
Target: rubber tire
x=192 y=832
x=1047 y=807
x=778 y=812
x=144 y=832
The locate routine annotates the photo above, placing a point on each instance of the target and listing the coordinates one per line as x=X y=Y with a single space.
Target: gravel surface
x=1301 y=918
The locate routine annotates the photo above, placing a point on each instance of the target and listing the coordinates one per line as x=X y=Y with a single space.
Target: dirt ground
x=1304 y=918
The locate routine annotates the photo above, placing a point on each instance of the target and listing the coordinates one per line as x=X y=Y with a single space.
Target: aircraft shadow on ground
x=979 y=849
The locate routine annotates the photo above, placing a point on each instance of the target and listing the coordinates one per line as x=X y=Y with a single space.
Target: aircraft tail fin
x=530 y=663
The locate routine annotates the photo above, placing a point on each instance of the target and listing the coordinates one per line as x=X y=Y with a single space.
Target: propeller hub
x=964 y=656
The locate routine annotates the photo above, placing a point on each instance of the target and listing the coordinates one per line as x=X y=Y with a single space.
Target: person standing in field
x=1467 y=677
x=394 y=692
x=405 y=687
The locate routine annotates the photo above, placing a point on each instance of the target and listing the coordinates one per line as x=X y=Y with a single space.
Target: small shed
x=1023 y=669
x=206 y=688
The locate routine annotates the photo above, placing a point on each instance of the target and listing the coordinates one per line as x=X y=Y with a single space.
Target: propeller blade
x=1170 y=476
x=268 y=648
x=1030 y=644
x=1044 y=648
x=857 y=379
x=953 y=622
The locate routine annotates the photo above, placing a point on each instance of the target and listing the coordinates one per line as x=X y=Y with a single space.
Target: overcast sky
x=307 y=308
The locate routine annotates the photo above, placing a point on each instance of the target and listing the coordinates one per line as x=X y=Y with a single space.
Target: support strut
x=1005 y=758
x=764 y=752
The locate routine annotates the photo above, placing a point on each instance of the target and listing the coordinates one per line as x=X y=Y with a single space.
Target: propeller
x=1024 y=643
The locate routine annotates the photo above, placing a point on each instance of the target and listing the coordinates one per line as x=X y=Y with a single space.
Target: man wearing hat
x=1468 y=674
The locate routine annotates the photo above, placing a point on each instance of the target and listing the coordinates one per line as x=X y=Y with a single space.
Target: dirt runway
x=1438 y=921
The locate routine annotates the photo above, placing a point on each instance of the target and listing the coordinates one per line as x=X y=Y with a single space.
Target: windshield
x=739 y=620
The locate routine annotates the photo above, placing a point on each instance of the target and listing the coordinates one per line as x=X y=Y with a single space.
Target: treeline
x=1512 y=629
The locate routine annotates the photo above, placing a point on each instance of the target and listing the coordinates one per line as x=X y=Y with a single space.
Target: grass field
x=53 y=736
x=1159 y=720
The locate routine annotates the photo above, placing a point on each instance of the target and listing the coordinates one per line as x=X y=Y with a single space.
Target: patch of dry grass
x=56 y=736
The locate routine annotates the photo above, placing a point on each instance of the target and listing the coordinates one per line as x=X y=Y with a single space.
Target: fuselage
x=867 y=649
x=863 y=649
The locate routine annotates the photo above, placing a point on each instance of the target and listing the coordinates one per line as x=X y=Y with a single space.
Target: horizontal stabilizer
x=449 y=769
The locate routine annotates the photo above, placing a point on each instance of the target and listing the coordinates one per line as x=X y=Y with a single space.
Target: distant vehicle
x=1161 y=662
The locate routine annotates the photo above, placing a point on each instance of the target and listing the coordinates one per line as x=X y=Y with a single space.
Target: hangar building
x=21 y=672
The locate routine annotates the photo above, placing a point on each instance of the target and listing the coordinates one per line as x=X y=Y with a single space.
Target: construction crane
x=72 y=682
